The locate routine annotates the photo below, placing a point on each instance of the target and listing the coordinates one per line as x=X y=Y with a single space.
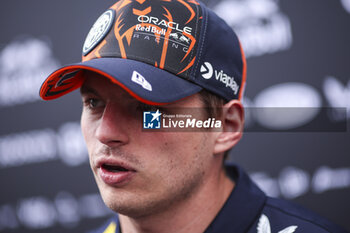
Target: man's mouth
x=114 y=168
x=115 y=173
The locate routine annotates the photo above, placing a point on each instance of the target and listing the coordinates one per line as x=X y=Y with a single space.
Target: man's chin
x=130 y=204
x=119 y=201
x=126 y=208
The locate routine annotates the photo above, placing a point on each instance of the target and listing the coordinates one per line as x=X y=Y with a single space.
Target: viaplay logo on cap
x=207 y=72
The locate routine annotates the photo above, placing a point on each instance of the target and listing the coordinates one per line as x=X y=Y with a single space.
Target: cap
x=159 y=51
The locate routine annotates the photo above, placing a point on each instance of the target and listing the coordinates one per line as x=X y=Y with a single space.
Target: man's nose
x=111 y=130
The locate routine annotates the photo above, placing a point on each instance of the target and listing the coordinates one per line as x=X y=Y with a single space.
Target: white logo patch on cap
x=139 y=79
x=207 y=70
x=98 y=31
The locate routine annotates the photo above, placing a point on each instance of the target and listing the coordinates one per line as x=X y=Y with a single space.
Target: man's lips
x=111 y=162
x=114 y=172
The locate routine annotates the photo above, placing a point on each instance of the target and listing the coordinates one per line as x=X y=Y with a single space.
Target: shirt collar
x=243 y=206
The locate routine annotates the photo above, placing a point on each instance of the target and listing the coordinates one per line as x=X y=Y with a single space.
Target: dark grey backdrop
x=298 y=56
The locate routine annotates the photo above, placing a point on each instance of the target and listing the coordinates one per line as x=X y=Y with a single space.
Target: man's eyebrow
x=88 y=90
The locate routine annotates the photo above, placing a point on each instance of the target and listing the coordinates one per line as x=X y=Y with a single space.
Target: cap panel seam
x=205 y=23
x=188 y=72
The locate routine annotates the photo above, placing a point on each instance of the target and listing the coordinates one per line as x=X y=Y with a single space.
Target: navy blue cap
x=159 y=52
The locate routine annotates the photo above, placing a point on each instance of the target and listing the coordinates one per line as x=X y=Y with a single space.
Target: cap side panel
x=244 y=74
x=220 y=64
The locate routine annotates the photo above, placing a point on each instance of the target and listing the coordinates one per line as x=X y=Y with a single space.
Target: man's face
x=137 y=172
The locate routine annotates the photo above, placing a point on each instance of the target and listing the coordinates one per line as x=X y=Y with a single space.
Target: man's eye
x=93 y=103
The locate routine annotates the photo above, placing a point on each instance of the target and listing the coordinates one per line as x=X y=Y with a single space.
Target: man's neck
x=192 y=215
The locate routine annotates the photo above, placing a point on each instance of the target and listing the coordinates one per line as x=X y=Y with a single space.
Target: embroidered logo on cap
x=98 y=31
x=139 y=79
x=207 y=70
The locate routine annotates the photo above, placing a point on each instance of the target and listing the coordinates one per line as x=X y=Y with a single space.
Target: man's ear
x=233 y=124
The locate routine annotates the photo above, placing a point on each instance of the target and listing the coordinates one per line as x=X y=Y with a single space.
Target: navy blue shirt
x=249 y=210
